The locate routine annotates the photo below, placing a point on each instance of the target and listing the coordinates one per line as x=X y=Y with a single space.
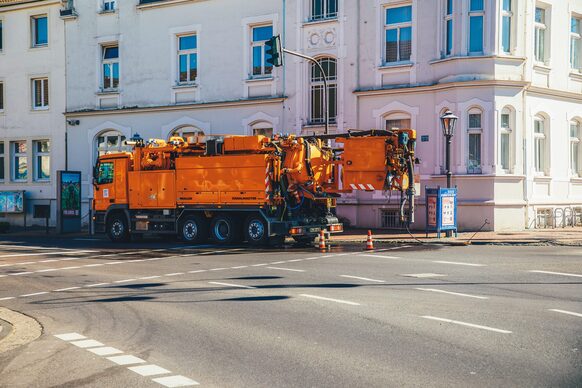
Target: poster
x=448 y=211
x=71 y=194
x=432 y=210
x=11 y=201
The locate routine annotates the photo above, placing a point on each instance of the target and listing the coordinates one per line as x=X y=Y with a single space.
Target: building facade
x=509 y=69
x=32 y=102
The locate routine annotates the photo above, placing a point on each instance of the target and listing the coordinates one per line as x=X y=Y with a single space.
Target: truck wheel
x=224 y=229
x=117 y=228
x=256 y=230
x=193 y=229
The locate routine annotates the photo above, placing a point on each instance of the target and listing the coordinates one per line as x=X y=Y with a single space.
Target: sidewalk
x=566 y=236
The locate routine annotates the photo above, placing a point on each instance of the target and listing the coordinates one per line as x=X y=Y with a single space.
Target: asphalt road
x=163 y=314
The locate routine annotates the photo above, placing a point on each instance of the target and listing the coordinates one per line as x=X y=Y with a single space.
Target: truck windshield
x=105 y=174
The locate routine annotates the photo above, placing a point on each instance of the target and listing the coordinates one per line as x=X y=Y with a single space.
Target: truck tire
x=256 y=230
x=117 y=228
x=193 y=229
x=224 y=230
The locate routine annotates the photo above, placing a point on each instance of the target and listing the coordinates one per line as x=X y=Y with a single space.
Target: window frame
x=3 y=158
x=1 y=34
x=472 y=131
x=2 y=95
x=36 y=159
x=398 y=27
x=576 y=37
x=100 y=151
x=317 y=84
x=262 y=45
x=575 y=142
x=112 y=7
x=506 y=131
x=188 y=53
x=448 y=27
x=540 y=164
x=111 y=62
x=44 y=93
x=325 y=14
x=397 y=116
x=475 y=14
x=541 y=43
x=263 y=126
x=33 y=30
x=509 y=14
x=14 y=155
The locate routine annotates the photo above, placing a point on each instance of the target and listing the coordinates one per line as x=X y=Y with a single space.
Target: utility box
x=441 y=210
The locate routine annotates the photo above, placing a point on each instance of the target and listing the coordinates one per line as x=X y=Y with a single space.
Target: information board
x=441 y=209
x=69 y=201
x=12 y=202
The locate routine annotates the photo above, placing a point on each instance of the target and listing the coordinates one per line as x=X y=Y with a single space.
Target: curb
x=24 y=329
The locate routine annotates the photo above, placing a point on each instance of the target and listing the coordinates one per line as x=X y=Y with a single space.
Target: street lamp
x=448 y=123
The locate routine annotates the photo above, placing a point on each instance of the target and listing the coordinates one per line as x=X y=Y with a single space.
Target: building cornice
x=9 y=5
x=439 y=87
x=554 y=93
x=169 y=108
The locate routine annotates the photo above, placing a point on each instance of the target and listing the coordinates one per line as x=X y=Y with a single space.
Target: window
x=105 y=174
x=1 y=36
x=575 y=133
x=398 y=30
x=263 y=128
x=260 y=35
x=187 y=133
x=540 y=35
x=397 y=121
x=109 y=5
x=323 y=9
x=1 y=162
x=448 y=27
x=19 y=161
x=110 y=142
x=540 y=160
x=575 y=42
x=40 y=93
x=1 y=96
x=475 y=131
x=110 y=61
x=42 y=160
x=505 y=140
x=506 y=25
x=476 y=16
x=188 y=58
x=317 y=103
x=39 y=31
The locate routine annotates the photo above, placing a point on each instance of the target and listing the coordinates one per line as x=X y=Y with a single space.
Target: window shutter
x=46 y=92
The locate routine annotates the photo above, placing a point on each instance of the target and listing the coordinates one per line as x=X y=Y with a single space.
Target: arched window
x=575 y=144
x=187 y=132
x=541 y=157
x=262 y=128
x=398 y=120
x=110 y=142
x=475 y=134
x=506 y=121
x=317 y=106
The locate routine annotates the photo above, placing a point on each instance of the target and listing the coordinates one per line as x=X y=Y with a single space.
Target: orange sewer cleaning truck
x=246 y=188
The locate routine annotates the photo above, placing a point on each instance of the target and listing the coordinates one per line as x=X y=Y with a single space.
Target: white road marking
x=47 y=270
x=34 y=294
x=467 y=324
x=239 y=267
x=277 y=262
x=71 y=259
x=558 y=273
x=70 y=336
x=567 y=312
x=67 y=289
x=231 y=285
x=198 y=271
x=331 y=300
x=259 y=265
x=149 y=277
x=452 y=293
x=135 y=261
x=93 y=265
x=105 y=351
x=8 y=298
x=114 y=262
x=360 y=278
x=423 y=275
x=88 y=343
x=217 y=269
x=175 y=381
x=175 y=274
x=294 y=261
x=67 y=268
x=125 y=281
x=382 y=257
x=287 y=269
x=149 y=370
x=48 y=261
x=44 y=254
x=25 y=263
x=459 y=263
x=126 y=360
x=97 y=285
x=20 y=273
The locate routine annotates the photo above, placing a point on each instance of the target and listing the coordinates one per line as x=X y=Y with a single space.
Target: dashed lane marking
x=567 y=312
x=34 y=294
x=126 y=360
x=294 y=260
x=239 y=267
x=557 y=273
x=466 y=324
x=87 y=343
x=217 y=269
x=287 y=269
x=382 y=257
x=459 y=263
x=97 y=285
x=330 y=299
x=231 y=285
x=361 y=278
x=8 y=298
x=105 y=351
x=277 y=262
x=452 y=293
x=423 y=275
x=259 y=265
x=150 y=277
x=20 y=273
x=125 y=280
x=44 y=254
x=149 y=370
x=175 y=381
x=70 y=336
x=67 y=289
x=175 y=274
x=198 y=271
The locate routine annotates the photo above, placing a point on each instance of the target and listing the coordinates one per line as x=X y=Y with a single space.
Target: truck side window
x=105 y=173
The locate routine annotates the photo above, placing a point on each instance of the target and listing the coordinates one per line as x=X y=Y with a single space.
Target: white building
x=32 y=102
x=510 y=69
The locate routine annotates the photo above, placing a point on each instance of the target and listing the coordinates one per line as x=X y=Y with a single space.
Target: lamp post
x=448 y=123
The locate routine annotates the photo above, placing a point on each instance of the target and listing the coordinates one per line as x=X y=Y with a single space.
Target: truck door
x=104 y=193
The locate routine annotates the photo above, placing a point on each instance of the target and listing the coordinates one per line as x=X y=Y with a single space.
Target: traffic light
x=274 y=51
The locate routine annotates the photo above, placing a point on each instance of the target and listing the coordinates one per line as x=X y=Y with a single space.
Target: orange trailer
x=252 y=188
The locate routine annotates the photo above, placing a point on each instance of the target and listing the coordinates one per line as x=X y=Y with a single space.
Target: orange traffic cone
x=322 y=246
x=369 y=242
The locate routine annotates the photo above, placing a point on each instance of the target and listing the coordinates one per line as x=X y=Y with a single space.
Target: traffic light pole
x=325 y=91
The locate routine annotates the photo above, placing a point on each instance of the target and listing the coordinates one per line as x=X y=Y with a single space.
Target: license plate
x=314 y=230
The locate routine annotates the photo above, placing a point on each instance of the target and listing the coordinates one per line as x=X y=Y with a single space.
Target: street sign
x=441 y=210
